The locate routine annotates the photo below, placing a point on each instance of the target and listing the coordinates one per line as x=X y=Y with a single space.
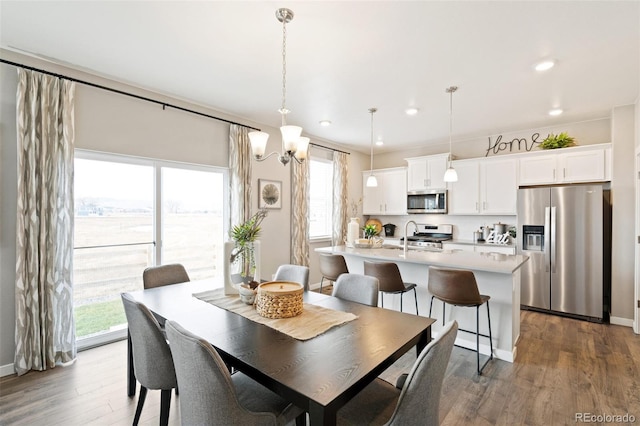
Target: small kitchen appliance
x=389 y=230
x=430 y=201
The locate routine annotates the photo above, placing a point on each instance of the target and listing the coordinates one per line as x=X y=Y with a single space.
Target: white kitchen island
x=498 y=275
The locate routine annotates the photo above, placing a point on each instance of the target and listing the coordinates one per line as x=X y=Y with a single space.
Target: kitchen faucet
x=406 y=226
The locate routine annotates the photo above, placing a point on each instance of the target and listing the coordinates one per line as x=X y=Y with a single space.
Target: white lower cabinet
x=495 y=249
x=389 y=197
x=480 y=248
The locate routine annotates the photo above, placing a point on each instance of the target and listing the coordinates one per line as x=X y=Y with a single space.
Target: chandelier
x=293 y=145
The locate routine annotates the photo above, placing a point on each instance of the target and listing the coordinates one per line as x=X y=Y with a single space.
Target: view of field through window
x=115 y=233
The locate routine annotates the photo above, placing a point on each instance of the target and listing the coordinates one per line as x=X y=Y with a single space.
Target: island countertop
x=486 y=262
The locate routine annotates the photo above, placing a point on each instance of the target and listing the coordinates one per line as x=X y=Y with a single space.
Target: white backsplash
x=463 y=226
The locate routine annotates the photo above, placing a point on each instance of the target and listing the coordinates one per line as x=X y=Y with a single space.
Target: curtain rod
x=121 y=92
x=329 y=149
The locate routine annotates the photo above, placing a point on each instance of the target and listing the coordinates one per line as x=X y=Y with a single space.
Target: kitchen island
x=498 y=275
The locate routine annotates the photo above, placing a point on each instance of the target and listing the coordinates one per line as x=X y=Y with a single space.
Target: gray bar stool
x=390 y=280
x=331 y=267
x=459 y=288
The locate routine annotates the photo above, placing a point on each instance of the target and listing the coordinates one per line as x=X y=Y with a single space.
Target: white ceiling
x=344 y=57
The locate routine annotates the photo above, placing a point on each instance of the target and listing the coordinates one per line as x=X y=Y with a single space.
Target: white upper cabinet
x=484 y=187
x=464 y=195
x=389 y=197
x=499 y=186
x=427 y=172
x=569 y=165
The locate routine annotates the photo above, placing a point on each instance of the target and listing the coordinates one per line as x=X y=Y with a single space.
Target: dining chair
x=154 y=276
x=459 y=288
x=357 y=288
x=209 y=395
x=390 y=279
x=331 y=267
x=295 y=273
x=152 y=359
x=418 y=400
x=157 y=276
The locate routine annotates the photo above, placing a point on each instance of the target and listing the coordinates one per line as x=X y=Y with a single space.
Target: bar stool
x=459 y=288
x=390 y=280
x=331 y=267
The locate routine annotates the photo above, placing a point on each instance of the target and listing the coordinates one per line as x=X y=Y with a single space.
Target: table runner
x=313 y=321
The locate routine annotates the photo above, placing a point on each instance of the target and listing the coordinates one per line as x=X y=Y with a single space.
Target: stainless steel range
x=429 y=236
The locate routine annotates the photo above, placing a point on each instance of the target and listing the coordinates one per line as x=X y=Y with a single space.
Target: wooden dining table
x=319 y=375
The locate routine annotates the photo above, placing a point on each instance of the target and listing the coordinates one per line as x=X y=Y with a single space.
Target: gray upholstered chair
x=157 y=276
x=388 y=274
x=418 y=402
x=459 y=288
x=357 y=288
x=331 y=267
x=154 y=276
x=151 y=356
x=209 y=395
x=294 y=273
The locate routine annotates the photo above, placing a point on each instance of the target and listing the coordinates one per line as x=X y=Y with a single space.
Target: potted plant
x=562 y=140
x=244 y=235
x=370 y=231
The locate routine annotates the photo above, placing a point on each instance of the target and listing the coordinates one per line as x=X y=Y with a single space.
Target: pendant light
x=371 y=180
x=293 y=146
x=450 y=175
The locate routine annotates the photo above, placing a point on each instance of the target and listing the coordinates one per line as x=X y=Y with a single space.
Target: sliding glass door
x=133 y=213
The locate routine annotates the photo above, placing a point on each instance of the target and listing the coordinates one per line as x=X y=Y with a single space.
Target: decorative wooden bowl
x=279 y=299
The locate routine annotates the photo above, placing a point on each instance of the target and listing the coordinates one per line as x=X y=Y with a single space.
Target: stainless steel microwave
x=431 y=201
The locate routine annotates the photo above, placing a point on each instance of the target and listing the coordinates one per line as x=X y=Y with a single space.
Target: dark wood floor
x=564 y=367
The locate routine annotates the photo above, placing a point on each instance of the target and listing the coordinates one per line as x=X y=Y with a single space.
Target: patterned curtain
x=340 y=199
x=45 y=329
x=300 y=212
x=239 y=174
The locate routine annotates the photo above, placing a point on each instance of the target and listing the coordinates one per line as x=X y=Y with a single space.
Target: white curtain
x=300 y=212
x=45 y=329
x=239 y=174
x=340 y=198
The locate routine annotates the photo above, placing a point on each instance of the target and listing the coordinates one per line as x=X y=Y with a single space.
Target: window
x=119 y=231
x=320 y=198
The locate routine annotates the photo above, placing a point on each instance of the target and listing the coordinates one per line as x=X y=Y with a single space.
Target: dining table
x=320 y=374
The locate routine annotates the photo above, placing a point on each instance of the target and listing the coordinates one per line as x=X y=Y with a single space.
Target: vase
x=233 y=272
x=353 y=231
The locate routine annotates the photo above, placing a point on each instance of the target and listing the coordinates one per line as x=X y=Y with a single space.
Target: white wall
x=586 y=133
x=623 y=196
x=8 y=208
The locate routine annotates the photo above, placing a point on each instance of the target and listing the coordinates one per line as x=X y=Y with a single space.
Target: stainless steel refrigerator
x=566 y=232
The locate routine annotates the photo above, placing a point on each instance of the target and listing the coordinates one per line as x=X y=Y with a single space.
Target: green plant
x=562 y=140
x=244 y=235
x=370 y=231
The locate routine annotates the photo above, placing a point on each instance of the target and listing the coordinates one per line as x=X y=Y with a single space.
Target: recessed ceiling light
x=325 y=123
x=544 y=65
x=379 y=143
x=555 y=111
x=411 y=111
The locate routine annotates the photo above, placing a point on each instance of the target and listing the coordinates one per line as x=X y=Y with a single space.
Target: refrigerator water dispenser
x=533 y=238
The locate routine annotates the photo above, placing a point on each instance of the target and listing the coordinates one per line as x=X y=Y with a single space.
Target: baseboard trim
x=627 y=322
x=7 y=370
